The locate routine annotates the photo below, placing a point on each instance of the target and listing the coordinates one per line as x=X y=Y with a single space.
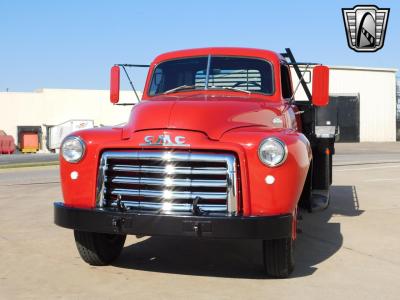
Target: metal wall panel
x=377 y=93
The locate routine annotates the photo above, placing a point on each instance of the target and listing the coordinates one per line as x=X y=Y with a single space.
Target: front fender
x=283 y=195
x=80 y=192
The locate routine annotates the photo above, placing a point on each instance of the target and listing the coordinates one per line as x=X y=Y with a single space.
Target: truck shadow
x=321 y=239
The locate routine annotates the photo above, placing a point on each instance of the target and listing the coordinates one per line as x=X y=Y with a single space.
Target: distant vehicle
x=58 y=132
x=7 y=143
x=217 y=148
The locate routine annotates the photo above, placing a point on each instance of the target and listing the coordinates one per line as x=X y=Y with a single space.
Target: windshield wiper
x=235 y=89
x=189 y=87
x=180 y=88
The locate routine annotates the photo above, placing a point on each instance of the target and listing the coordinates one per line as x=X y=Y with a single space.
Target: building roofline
x=392 y=70
x=43 y=90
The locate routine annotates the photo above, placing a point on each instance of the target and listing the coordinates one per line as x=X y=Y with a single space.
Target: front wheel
x=278 y=257
x=99 y=249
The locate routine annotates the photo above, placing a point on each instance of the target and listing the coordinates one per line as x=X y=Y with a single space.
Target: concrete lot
x=349 y=251
x=19 y=158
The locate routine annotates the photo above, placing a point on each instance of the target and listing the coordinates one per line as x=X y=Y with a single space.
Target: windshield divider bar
x=207 y=71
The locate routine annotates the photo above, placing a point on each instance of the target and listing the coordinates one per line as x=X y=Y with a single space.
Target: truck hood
x=212 y=115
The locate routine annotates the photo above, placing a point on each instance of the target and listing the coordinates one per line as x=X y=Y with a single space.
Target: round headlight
x=73 y=149
x=272 y=152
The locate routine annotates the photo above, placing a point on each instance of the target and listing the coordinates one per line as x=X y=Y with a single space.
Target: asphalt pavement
x=351 y=250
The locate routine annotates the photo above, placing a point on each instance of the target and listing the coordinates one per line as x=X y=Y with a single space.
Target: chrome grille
x=168 y=181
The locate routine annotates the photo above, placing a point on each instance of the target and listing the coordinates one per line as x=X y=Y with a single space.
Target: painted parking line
x=345 y=163
x=365 y=169
x=383 y=179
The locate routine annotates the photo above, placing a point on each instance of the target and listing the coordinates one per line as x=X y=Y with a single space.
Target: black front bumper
x=147 y=224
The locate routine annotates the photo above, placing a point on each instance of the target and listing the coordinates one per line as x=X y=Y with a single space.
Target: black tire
x=278 y=257
x=99 y=249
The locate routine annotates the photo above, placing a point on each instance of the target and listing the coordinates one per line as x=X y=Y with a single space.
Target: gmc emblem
x=164 y=140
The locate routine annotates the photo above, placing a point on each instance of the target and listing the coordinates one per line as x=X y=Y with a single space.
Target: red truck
x=216 y=148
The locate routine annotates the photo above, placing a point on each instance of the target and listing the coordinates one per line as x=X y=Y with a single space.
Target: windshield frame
x=209 y=63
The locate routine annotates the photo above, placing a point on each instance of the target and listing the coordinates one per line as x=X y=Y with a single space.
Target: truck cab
x=216 y=148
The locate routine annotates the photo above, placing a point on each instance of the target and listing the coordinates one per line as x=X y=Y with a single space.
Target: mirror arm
x=298 y=84
x=130 y=82
x=289 y=55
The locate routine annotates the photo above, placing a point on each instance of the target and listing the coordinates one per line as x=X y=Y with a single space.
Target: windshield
x=234 y=73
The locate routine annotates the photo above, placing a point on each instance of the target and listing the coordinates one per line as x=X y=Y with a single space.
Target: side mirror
x=320 y=86
x=114 y=84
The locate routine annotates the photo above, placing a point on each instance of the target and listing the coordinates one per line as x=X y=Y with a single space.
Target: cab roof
x=273 y=57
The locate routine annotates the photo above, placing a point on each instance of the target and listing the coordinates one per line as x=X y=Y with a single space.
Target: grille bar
x=168 y=169
x=168 y=181
x=162 y=195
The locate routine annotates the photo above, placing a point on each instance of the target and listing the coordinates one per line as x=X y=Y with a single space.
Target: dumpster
x=29 y=142
x=29 y=138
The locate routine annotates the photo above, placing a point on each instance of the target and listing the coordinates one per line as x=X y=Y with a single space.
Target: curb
x=28 y=165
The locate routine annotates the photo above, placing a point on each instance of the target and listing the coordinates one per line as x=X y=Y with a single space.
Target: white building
x=372 y=92
x=398 y=110
x=49 y=107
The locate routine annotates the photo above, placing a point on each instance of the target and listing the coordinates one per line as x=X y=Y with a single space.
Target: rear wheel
x=98 y=249
x=278 y=257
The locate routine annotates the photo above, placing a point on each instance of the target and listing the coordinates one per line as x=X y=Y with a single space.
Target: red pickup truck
x=216 y=148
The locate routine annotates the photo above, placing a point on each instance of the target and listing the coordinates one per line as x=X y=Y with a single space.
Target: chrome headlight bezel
x=277 y=142
x=78 y=142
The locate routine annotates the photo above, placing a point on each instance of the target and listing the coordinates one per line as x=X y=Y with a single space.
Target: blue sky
x=72 y=44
